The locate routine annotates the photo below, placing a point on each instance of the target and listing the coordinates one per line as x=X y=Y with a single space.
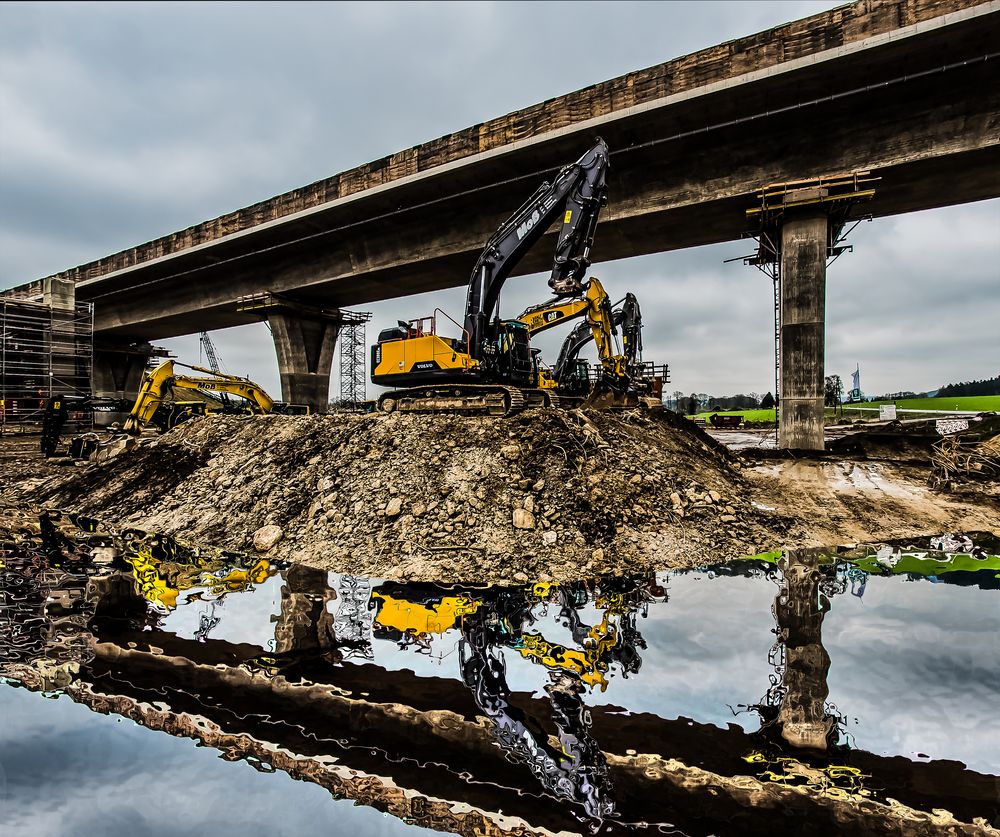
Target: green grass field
x=979 y=403
x=748 y=415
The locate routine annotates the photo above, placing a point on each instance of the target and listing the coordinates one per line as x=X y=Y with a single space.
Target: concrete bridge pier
x=117 y=373
x=804 y=240
x=305 y=356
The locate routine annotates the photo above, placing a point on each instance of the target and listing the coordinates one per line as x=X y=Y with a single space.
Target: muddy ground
x=545 y=493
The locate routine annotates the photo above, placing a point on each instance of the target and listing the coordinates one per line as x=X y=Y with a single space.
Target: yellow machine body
x=416 y=618
x=397 y=362
x=159 y=382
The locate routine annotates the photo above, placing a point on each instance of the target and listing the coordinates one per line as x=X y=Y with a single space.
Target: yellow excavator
x=595 y=305
x=492 y=366
x=155 y=405
x=623 y=379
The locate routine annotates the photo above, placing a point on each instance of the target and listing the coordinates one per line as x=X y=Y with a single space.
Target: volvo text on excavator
x=492 y=366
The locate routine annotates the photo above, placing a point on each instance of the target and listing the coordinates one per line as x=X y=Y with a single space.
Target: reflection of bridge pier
x=799 y=609
x=304 y=622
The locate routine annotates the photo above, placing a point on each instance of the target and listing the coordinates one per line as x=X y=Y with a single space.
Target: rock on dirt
x=266 y=538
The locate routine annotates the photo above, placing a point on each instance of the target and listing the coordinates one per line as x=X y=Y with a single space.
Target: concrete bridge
x=903 y=89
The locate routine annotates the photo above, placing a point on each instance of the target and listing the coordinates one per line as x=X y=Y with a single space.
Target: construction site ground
x=545 y=494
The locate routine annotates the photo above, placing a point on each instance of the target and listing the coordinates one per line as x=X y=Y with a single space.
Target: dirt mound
x=437 y=496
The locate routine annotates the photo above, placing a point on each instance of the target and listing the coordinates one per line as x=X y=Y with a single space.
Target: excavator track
x=469 y=399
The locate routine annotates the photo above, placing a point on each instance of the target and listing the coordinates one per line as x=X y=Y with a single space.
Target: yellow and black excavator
x=595 y=305
x=155 y=405
x=622 y=380
x=492 y=366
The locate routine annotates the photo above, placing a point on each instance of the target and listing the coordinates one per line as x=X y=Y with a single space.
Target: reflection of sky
x=242 y=617
x=70 y=771
x=918 y=666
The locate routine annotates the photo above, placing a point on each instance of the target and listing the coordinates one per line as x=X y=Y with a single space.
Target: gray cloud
x=122 y=123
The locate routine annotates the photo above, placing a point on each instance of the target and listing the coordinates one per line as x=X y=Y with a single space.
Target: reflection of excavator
x=492 y=367
x=490 y=620
x=163 y=569
x=411 y=613
x=155 y=405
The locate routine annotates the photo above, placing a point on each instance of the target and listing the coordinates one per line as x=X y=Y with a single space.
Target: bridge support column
x=305 y=357
x=64 y=350
x=804 y=237
x=118 y=370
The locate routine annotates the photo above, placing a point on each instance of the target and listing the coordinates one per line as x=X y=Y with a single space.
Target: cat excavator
x=623 y=380
x=492 y=367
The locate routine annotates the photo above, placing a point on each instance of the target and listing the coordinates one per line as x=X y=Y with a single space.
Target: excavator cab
x=513 y=359
x=576 y=379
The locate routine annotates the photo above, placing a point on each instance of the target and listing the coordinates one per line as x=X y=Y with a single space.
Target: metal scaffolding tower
x=353 y=350
x=44 y=351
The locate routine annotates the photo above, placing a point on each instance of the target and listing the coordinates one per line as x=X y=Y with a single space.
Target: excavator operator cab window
x=514 y=358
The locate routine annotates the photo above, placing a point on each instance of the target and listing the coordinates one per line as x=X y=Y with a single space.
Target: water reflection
x=335 y=697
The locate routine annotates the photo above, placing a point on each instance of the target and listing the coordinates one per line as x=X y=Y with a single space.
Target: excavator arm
x=158 y=383
x=576 y=195
x=626 y=317
x=252 y=392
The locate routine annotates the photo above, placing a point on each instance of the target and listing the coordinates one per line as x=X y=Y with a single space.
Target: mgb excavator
x=492 y=366
x=155 y=405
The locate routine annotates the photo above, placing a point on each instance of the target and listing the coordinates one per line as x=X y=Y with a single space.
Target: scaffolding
x=44 y=351
x=353 y=350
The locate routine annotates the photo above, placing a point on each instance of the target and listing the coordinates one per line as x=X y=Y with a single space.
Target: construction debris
x=967 y=456
x=402 y=495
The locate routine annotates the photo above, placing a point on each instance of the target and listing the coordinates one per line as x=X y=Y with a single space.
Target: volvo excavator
x=155 y=405
x=492 y=366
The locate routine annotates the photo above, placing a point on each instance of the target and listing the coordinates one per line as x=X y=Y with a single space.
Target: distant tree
x=833 y=390
x=767 y=402
x=692 y=405
x=678 y=401
x=990 y=386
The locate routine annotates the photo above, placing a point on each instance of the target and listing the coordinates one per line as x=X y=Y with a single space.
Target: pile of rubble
x=546 y=492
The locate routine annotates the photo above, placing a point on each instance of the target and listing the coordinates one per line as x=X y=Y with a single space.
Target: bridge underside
x=921 y=112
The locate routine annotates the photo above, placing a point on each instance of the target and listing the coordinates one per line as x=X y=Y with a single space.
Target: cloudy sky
x=120 y=123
